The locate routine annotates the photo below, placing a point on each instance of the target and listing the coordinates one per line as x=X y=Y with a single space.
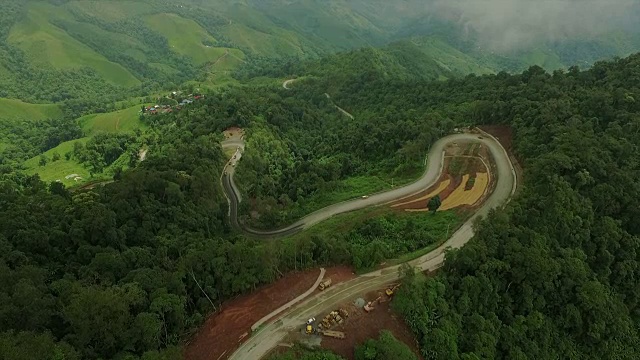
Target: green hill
x=48 y=45
x=117 y=121
x=11 y=109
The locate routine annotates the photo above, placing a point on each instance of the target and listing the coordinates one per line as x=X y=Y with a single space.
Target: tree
x=55 y=156
x=434 y=203
x=43 y=160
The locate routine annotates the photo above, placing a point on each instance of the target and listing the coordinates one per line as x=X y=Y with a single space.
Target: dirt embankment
x=224 y=331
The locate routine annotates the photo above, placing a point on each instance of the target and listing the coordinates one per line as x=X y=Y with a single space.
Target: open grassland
x=57 y=170
x=260 y=42
x=448 y=58
x=186 y=37
x=11 y=110
x=112 y=10
x=48 y=45
x=117 y=121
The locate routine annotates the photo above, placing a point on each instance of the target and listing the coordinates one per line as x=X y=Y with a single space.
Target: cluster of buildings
x=163 y=109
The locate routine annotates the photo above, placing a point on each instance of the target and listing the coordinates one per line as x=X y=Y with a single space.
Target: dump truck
x=324 y=284
x=334 y=334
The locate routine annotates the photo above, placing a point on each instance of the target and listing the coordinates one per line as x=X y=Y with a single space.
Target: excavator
x=369 y=306
x=390 y=291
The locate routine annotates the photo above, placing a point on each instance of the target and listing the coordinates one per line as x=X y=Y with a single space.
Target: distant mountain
x=95 y=51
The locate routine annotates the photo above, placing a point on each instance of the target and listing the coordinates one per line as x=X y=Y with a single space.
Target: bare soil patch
x=504 y=135
x=360 y=326
x=223 y=332
x=233 y=133
x=465 y=176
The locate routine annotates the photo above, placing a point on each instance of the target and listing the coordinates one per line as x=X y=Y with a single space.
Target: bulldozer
x=309 y=329
x=390 y=291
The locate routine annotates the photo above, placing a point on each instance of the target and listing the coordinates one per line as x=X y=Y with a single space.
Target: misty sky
x=511 y=24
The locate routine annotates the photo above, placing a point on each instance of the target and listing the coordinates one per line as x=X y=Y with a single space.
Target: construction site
x=351 y=323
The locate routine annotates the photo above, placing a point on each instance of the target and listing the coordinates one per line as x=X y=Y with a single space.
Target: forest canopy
x=121 y=271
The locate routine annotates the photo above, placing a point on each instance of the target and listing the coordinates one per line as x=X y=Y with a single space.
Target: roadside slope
x=271 y=334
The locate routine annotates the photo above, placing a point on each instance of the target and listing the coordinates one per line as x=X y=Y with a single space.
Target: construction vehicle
x=344 y=313
x=390 y=291
x=369 y=305
x=309 y=328
x=334 y=334
x=326 y=323
x=324 y=284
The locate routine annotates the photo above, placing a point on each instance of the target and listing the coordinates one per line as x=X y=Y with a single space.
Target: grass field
x=57 y=170
x=186 y=37
x=117 y=121
x=11 y=109
x=48 y=45
x=261 y=43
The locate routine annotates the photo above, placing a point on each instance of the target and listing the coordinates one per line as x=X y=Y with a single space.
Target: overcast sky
x=509 y=24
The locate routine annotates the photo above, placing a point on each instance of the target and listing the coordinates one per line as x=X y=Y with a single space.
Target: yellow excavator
x=390 y=291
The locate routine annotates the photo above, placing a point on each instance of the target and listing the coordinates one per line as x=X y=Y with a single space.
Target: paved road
x=428 y=179
x=271 y=334
x=287 y=82
x=290 y=303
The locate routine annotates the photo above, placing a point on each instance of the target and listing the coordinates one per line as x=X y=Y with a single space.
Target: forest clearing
x=225 y=330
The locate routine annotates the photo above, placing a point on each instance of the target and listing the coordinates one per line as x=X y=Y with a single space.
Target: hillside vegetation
x=12 y=110
x=120 y=271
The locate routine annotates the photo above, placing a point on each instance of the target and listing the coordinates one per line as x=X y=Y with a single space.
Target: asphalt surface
x=428 y=179
x=266 y=338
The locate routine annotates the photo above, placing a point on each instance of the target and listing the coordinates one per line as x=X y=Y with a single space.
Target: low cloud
x=504 y=25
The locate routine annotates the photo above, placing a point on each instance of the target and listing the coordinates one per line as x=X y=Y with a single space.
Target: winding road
x=428 y=179
x=269 y=335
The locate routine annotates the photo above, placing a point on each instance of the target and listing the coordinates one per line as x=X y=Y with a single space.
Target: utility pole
x=201 y=289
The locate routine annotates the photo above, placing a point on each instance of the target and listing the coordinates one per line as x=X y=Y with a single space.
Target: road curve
x=271 y=334
x=428 y=179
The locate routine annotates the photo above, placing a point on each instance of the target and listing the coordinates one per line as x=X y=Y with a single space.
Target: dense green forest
x=556 y=274
x=114 y=272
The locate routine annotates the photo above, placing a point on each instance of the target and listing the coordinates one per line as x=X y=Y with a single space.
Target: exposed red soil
x=223 y=331
x=469 y=154
x=339 y=274
x=360 y=326
x=421 y=204
x=504 y=135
